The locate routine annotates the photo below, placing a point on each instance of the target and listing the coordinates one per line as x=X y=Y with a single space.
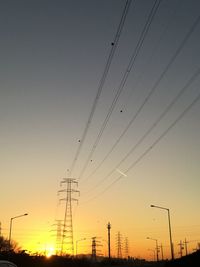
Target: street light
x=25 y=214
x=77 y=244
x=170 y=231
x=156 y=246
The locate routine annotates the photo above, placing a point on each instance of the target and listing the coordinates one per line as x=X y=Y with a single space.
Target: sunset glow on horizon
x=107 y=94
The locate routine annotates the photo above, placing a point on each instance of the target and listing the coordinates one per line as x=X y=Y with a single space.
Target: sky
x=141 y=146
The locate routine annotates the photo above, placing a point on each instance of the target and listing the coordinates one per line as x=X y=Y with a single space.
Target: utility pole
x=67 y=233
x=186 y=250
x=181 y=248
x=157 y=250
x=109 y=227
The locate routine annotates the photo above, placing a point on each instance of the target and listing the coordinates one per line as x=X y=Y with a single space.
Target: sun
x=50 y=251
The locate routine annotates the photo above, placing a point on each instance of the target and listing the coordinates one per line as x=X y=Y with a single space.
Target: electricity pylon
x=94 y=251
x=95 y=244
x=59 y=227
x=67 y=235
x=119 y=246
x=126 y=248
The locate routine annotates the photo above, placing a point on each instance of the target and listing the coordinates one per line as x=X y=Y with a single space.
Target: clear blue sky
x=53 y=54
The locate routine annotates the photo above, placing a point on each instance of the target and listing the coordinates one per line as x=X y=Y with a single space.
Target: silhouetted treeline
x=25 y=260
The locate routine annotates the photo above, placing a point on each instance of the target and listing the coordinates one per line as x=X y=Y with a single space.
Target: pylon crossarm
x=61 y=191
x=75 y=191
x=74 y=199
x=66 y=180
x=62 y=199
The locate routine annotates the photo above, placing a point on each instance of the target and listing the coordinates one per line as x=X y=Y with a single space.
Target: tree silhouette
x=5 y=246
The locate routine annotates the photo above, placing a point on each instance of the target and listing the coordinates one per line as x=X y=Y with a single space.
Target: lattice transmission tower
x=94 y=250
x=95 y=245
x=126 y=247
x=67 y=244
x=58 y=230
x=119 y=245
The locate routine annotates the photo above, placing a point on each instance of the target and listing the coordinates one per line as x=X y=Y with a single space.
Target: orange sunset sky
x=134 y=144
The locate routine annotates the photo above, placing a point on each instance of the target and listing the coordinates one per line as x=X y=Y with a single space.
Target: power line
x=162 y=115
x=179 y=49
x=151 y=60
x=102 y=80
x=151 y=146
x=123 y=81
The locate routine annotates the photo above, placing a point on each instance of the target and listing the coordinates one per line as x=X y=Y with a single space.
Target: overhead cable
x=102 y=81
x=185 y=111
x=123 y=81
x=162 y=115
x=175 y=55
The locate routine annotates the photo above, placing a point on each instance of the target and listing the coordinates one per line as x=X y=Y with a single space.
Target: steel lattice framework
x=67 y=244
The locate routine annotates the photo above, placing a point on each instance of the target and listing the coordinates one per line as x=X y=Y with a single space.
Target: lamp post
x=156 y=246
x=11 y=219
x=77 y=244
x=170 y=231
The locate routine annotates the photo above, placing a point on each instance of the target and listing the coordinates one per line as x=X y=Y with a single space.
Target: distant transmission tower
x=186 y=249
x=67 y=244
x=94 y=250
x=95 y=244
x=59 y=227
x=126 y=248
x=119 y=246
